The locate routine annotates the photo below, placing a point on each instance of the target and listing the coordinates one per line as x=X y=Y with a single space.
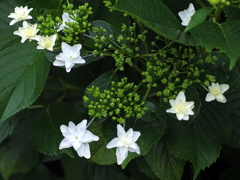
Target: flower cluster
x=78 y=137
x=183 y=109
x=69 y=56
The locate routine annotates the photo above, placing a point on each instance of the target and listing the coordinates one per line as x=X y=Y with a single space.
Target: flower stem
x=90 y=122
x=36 y=106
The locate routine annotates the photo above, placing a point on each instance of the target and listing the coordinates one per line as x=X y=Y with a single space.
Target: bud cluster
x=175 y=70
x=73 y=29
x=120 y=102
x=122 y=48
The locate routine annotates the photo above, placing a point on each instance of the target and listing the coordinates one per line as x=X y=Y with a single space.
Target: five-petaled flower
x=47 y=42
x=181 y=107
x=126 y=141
x=187 y=14
x=21 y=13
x=28 y=31
x=78 y=137
x=216 y=92
x=69 y=56
x=65 y=18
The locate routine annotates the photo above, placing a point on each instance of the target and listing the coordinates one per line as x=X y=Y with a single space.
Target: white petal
x=180 y=116
x=224 y=88
x=170 y=110
x=64 y=129
x=65 y=144
x=76 y=144
x=210 y=97
x=191 y=7
x=65 y=47
x=134 y=148
x=79 y=60
x=76 y=50
x=69 y=69
x=121 y=153
x=221 y=98
x=58 y=63
x=68 y=64
x=186 y=117
x=136 y=135
x=84 y=151
x=120 y=130
x=114 y=143
x=71 y=126
x=89 y=137
x=181 y=96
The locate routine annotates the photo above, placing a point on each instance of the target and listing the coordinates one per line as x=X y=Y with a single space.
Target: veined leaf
x=222 y=36
x=46 y=134
x=23 y=72
x=156 y=16
x=200 y=142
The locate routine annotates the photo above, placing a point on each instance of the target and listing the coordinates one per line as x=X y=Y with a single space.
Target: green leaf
x=199 y=16
x=222 y=36
x=233 y=106
x=81 y=169
x=234 y=75
x=7 y=126
x=17 y=155
x=110 y=30
x=23 y=72
x=40 y=172
x=46 y=134
x=99 y=153
x=150 y=132
x=156 y=16
x=145 y=168
x=232 y=13
x=200 y=142
x=6 y=37
x=163 y=163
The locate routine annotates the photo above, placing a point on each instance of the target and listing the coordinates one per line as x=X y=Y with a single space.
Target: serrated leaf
x=156 y=16
x=81 y=169
x=198 y=17
x=200 y=142
x=232 y=13
x=7 y=127
x=17 y=155
x=234 y=75
x=233 y=106
x=222 y=36
x=150 y=133
x=145 y=168
x=163 y=163
x=23 y=72
x=46 y=134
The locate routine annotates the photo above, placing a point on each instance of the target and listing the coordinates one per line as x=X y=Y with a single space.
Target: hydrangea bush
x=119 y=89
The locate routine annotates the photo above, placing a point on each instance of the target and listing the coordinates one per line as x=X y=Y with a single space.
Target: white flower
x=21 y=13
x=181 y=107
x=70 y=55
x=47 y=42
x=216 y=92
x=78 y=137
x=187 y=14
x=28 y=31
x=124 y=142
x=65 y=18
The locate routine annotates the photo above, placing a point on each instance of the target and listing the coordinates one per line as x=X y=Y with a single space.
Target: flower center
x=76 y=137
x=126 y=141
x=216 y=91
x=30 y=32
x=181 y=108
x=21 y=14
x=48 y=43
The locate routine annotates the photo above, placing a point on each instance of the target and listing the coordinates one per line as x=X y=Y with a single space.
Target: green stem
x=217 y=14
x=137 y=68
x=36 y=106
x=148 y=91
x=204 y=87
x=138 y=86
